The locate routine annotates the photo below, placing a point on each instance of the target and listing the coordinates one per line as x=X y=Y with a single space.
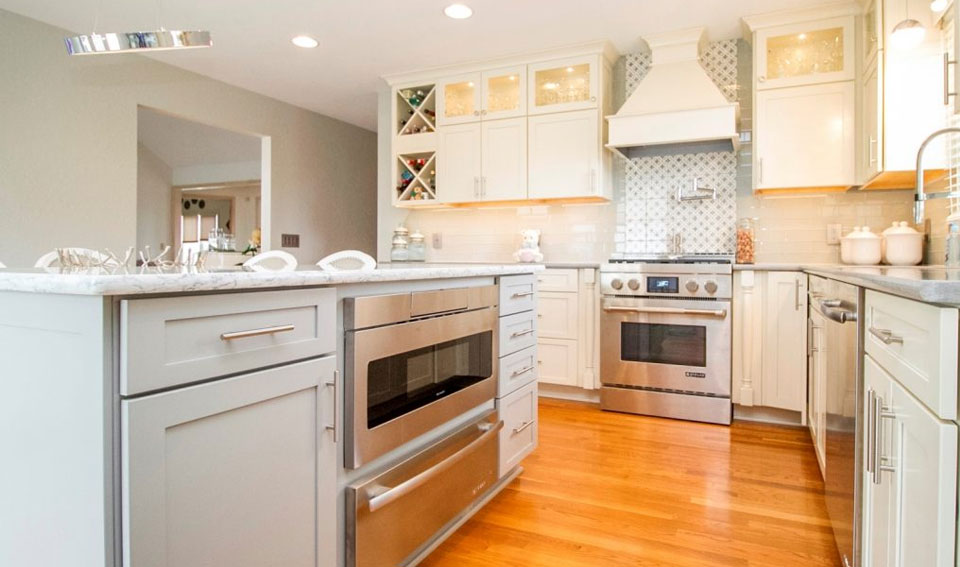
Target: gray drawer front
x=517 y=293
x=516 y=370
x=172 y=341
x=517 y=332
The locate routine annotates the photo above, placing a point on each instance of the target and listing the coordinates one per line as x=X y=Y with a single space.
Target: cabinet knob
x=593 y=99
x=761 y=79
x=476 y=113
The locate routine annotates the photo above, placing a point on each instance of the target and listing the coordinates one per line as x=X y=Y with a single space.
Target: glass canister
x=746 y=241
x=400 y=252
x=417 y=248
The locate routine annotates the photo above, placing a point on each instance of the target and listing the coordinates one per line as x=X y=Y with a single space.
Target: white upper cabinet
x=564 y=84
x=459 y=163
x=564 y=155
x=805 y=137
x=504 y=93
x=504 y=159
x=459 y=99
x=806 y=53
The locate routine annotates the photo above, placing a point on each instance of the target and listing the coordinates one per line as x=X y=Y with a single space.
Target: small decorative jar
x=417 y=248
x=400 y=252
x=746 y=241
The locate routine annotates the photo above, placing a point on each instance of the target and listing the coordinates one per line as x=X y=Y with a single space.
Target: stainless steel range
x=666 y=336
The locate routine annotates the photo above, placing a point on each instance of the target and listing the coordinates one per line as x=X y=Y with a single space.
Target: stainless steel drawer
x=395 y=515
x=173 y=341
x=516 y=370
x=517 y=332
x=517 y=294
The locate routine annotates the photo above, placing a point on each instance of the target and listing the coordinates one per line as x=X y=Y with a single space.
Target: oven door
x=666 y=344
x=404 y=380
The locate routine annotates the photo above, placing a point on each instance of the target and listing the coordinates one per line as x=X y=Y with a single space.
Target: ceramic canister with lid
x=902 y=245
x=861 y=247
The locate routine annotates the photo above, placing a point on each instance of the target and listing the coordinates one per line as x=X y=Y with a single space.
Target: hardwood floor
x=610 y=489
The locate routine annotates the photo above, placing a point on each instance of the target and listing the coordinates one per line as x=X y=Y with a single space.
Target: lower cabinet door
x=239 y=472
x=557 y=315
x=518 y=438
x=879 y=491
x=557 y=361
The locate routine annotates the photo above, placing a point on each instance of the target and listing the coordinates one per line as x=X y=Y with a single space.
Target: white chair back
x=272 y=261
x=348 y=261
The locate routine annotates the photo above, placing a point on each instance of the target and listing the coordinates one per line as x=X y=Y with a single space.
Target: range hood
x=676 y=103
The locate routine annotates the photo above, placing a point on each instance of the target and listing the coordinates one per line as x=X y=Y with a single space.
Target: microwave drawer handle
x=411 y=484
x=670 y=311
x=256 y=332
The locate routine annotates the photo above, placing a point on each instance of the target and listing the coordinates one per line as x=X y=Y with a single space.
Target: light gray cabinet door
x=238 y=472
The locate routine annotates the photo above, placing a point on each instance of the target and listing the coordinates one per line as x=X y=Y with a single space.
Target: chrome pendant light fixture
x=160 y=39
x=909 y=33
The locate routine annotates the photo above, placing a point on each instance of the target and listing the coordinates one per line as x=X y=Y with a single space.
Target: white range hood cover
x=676 y=103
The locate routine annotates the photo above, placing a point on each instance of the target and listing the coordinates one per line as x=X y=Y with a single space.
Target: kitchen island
x=175 y=417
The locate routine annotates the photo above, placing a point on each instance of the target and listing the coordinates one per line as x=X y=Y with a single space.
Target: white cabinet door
x=504 y=160
x=910 y=508
x=805 y=137
x=784 y=341
x=557 y=362
x=816 y=414
x=564 y=84
x=518 y=438
x=871 y=143
x=557 y=315
x=239 y=472
x=564 y=155
x=504 y=93
x=459 y=100
x=806 y=53
x=458 y=163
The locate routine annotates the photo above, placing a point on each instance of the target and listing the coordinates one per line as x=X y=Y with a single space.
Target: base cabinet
x=238 y=472
x=568 y=319
x=518 y=438
x=910 y=481
x=816 y=387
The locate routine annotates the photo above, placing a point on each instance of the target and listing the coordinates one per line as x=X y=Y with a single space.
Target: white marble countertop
x=930 y=284
x=134 y=281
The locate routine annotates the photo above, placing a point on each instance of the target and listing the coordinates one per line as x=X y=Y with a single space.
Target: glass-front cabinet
x=459 y=99
x=806 y=53
x=563 y=84
x=504 y=93
x=872 y=37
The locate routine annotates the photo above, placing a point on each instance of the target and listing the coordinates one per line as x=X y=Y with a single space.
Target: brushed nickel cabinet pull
x=522 y=427
x=522 y=333
x=886 y=336
x=521 y=372
x=520 y=294
x=333 y=384
x=256 y=332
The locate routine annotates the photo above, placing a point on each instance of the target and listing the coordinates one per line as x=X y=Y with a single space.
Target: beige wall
x=154 y=195
x=68 y=150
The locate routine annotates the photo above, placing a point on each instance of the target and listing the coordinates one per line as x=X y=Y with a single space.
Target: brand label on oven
x=696 y=374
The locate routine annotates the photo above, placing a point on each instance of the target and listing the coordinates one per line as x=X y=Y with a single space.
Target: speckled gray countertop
x=930 y=284
x=132 y=281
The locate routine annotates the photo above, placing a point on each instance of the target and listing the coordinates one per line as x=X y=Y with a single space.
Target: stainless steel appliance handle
x=881 y=464
x=886 y=336
x=256 y=332
x=411 y=484
x=333 y=384
x=522 y=427
x=831 y=310
x=670 y=311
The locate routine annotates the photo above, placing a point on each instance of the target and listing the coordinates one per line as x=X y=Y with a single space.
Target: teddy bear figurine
x=529 y=251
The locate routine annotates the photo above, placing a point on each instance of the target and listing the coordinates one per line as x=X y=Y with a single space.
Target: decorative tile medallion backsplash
x=649 y=214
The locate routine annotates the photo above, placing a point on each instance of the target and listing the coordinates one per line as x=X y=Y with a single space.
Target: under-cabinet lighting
x=304 y=41
x=458 y=11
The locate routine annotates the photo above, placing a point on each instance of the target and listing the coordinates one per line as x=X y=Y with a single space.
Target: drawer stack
x=517 y=386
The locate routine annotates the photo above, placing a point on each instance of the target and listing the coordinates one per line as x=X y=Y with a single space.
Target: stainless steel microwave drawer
x=172 y=341
x=394 y=516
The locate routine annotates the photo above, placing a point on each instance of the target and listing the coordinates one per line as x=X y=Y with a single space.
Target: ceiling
x=184 y=143
x=365 y=39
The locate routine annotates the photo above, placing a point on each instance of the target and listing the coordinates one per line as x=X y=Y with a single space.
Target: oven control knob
x=633 y=284
x=692 y=286
x=710 y=286
x=616 y=283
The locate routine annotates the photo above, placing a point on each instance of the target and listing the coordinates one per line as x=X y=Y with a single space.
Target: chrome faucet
x=921 y=196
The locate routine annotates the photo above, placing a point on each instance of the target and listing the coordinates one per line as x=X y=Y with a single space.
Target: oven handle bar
x=411 y=484
x=670 y=311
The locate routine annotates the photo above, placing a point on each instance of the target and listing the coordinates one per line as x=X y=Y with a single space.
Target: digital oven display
x=663 y=285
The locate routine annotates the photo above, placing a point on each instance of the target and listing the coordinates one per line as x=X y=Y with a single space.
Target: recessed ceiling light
x=304 y=41
x=458 y=11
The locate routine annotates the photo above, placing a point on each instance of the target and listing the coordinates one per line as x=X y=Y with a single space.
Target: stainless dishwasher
x=841 y=307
